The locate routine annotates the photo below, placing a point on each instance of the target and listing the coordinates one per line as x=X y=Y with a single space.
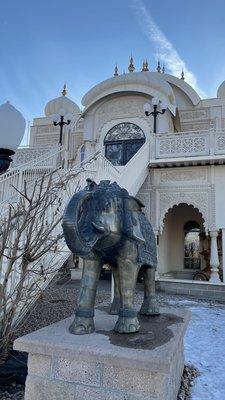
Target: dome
x=150 y=83
x=221 y=90
x=53 y=106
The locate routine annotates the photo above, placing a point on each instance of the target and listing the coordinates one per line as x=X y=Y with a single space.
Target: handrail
x=57 y=150
x=159 y=134
x=135 y=171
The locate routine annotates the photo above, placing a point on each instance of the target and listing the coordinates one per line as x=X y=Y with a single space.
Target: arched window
x=192 y=258
x=122 y=142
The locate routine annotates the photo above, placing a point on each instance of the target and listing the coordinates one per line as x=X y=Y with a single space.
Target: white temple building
x=177 y=172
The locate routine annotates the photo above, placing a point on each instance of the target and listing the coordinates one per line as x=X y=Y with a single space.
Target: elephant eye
x=107 y=206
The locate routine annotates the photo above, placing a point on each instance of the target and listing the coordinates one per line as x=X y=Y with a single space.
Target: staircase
x=97 y=167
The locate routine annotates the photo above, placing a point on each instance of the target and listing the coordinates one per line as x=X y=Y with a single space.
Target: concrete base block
x=76 y=273
x=106 y=365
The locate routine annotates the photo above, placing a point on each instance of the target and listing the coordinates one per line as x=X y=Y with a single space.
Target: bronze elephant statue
x=104 y=224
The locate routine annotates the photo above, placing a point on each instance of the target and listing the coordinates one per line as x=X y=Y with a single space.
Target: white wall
x=219 y=179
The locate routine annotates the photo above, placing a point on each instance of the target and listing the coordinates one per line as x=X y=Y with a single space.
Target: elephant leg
x=115 y=306
x=84 y=322
x=127 y=321
x=149 y=305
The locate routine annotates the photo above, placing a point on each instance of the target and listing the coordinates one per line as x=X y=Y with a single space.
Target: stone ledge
x=57 y=337
x=106 y=365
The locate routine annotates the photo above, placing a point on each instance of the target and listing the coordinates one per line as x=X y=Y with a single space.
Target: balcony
x=187 y=148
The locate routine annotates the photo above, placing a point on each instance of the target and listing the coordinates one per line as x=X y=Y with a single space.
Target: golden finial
x=182 y=75
x=116 y=70
x=145 y=66
x=158 y=69
x=163 y=69
x=64 y=92
x=131 y=66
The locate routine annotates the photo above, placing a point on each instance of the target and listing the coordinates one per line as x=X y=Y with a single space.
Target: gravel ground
x=58 y=302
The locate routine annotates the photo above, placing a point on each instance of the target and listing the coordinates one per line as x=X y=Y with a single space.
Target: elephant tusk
x=99 y=228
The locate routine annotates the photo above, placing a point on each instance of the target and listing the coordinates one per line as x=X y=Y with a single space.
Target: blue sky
x=46 y=43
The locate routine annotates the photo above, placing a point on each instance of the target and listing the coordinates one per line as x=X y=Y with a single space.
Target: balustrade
x=202 y=144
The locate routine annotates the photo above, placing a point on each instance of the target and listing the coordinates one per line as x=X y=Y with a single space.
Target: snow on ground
x=205 y=348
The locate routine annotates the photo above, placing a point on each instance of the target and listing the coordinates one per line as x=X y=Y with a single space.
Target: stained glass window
x=122 y=142
x=124 y=131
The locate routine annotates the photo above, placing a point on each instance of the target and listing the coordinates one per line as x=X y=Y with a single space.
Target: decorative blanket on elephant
x=147 y=251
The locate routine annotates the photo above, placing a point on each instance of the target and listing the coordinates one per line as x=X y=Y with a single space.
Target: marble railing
x=26 y=155
x=203 y=144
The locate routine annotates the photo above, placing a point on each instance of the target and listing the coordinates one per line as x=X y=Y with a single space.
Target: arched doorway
x=122 y=142
x=181 y=243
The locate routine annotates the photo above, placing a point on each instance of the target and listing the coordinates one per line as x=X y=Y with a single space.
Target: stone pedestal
x=105 y=365
x=75 y=274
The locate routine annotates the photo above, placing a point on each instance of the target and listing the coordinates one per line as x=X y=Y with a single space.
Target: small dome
x=221 y=90
x=62 y=102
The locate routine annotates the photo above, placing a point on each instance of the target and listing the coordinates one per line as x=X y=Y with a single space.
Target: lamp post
x=12 y=127
x=61 y=119
x=155 y=112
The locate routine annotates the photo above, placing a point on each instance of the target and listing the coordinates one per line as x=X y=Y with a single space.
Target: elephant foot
x=115 y=306
x=150 y=307
x=82 y=326
x=127 y=325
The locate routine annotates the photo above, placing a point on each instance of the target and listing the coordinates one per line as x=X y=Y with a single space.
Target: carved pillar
x=214 y=258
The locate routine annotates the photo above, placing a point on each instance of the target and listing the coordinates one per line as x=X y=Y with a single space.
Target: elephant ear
x=79 y=234
x=132 y=209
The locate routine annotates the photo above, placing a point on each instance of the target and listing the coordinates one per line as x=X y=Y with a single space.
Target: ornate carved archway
x=199 y=199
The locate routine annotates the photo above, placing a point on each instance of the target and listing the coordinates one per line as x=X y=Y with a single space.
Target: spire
x=163 y=69
x=64 y=92
x=182 y=75
x=116 y=70
x=145 y=65
x=158 y=69
x=131 y=66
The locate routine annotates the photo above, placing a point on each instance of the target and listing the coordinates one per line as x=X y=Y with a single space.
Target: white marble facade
x=186 y=166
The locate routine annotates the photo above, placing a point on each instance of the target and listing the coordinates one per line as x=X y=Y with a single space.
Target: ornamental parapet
x=196 y=147
x=27 y=155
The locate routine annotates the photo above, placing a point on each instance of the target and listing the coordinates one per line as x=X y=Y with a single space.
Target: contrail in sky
x=165 y=50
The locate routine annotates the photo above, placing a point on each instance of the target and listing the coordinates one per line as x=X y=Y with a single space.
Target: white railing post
x=20 y=180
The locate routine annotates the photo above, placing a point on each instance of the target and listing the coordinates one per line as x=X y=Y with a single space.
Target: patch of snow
x=205 y=348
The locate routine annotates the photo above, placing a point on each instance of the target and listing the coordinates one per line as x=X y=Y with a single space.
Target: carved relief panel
x=165 y=188
x=198 y=119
